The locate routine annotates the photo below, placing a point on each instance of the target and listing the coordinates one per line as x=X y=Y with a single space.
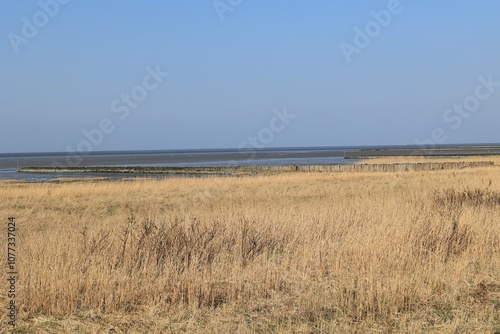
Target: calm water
x=270 y=157
x=194 y=158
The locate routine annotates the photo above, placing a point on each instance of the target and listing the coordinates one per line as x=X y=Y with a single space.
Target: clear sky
x=378 y=72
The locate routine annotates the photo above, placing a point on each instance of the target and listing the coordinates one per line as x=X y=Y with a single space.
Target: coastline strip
x=234 y=170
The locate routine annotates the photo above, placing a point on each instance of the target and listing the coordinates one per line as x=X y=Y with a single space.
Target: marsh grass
x=401 y=252
x=457 y=199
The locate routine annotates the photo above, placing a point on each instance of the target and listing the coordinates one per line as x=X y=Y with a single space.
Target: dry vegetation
x=303 y=253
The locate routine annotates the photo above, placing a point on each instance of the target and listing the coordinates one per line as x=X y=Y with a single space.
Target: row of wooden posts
x=397 y=167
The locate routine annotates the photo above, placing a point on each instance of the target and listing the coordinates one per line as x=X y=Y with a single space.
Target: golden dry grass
x=299 y=252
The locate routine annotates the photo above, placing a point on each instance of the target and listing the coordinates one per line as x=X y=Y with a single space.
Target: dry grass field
x=415 y=252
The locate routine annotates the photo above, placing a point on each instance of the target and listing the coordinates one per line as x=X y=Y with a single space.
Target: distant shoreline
x=439 y=152
x=261 y=170
x=194 y=158
x=214 y=164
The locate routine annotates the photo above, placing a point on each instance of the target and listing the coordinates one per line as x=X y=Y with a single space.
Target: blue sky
x=226 y=76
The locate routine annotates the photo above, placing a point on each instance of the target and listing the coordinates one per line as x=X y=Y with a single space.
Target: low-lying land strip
x=242 y=170
x=444 y=151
